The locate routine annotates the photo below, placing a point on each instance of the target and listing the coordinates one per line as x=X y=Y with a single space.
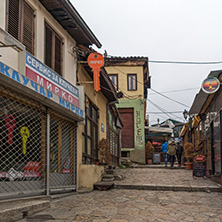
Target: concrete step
x=13 y=210
x=108 y=179
x=216 y=188
x=108 y=176
x=103 y=185
x=109 y=171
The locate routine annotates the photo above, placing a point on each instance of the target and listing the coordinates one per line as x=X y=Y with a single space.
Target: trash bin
x=156 y=158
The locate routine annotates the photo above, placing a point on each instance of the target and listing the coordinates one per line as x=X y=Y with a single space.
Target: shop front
x=39 y=111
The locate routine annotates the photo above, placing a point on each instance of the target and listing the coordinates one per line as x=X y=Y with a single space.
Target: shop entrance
x=23 y=148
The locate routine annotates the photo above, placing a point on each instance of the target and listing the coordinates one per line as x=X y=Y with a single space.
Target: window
x=114 y=79
x=132 y=82
x=20 y=23
x=90 y=135
x=53 y=50
x=113 y=136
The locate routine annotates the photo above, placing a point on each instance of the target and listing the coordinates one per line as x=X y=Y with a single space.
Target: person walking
x=171 y=151
x=179 y=153
x=164 y=150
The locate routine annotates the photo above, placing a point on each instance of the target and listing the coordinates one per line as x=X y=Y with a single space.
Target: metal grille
x=22 y=145
x=62 y=152
x=23 y=148
x=114 y=146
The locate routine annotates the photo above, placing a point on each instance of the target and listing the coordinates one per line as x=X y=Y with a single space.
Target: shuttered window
x=20 y=23
x=53 y=49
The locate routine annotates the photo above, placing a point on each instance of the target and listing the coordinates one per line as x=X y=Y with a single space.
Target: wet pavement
x=125 y=205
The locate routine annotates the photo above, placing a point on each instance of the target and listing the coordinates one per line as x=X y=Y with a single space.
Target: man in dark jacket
x=179 y=153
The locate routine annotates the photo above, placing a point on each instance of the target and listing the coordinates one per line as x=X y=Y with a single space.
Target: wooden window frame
x=21 y=23
x=128 y=82
x=90 y=158
x=53 y=49
x=117 y=80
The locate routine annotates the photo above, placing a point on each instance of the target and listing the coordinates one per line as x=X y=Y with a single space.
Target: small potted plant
x=189 y=153
x=149 y=152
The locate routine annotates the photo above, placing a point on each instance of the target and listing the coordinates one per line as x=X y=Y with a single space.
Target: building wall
x=122 y=72
x=138 y=154
x=42 y=15
x=17 y=61
x=89 y=174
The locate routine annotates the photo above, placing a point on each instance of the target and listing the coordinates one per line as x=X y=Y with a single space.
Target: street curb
x=155 y=187
x=158 y=167
x=19 y=211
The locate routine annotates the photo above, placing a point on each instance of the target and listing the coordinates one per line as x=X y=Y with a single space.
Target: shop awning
x=196 y=121
x=68 y=17
x=184 y=129
x=198 y=102
x=127 y=149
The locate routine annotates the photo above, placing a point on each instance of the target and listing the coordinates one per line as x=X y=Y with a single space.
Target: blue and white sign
x=102 y=127
x=25 y=81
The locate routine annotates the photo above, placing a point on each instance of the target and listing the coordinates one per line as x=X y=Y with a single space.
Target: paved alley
x=162 y=176
x=125 y=205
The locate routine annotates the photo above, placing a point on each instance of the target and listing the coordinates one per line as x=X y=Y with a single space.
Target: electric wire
x=162 y=110
x=156 y=91
x=177 y=90
x=185 y=63
x=170 y=98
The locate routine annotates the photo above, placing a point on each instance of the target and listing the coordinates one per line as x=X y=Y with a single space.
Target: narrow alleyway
x=132 y=205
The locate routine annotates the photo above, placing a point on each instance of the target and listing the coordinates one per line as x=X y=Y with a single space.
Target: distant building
x=130 y=76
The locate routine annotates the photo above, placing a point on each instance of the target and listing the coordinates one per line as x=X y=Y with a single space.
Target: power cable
x=155 y=90
x=162 y=110
x=186 y=63
x=177 y=90
x=170 y=98
x=158 y=107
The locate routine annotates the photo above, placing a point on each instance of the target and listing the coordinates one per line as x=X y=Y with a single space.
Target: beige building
x=130 y=76
x=46 y=115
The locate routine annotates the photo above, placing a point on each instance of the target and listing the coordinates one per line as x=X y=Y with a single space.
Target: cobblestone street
x=162 y=176
x=137 y=205
x=122 y=205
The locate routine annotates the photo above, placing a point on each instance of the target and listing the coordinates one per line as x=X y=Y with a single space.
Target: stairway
x=108 y=178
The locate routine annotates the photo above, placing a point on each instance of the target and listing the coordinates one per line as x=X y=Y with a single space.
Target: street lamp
x=185 y=114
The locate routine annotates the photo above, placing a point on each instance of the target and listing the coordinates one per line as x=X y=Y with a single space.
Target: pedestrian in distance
x=179 y=153
x=171 y=151
x=164 y=150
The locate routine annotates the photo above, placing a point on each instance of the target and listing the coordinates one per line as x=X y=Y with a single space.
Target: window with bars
x=132 y=82
x=90 y=135
x=20 y=23
x=114 y=79
x=53 y=49
x=113 y=139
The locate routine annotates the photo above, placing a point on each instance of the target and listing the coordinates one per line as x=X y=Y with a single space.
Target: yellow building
x=44 y=111
x=130 y=76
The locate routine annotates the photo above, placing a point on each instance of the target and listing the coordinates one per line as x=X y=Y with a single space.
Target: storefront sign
x=24 y=132
x=139 y=131
x=25 y=81
x=102 y=127
x=199 y=166
x=48 y=79
x=210 y=85
x=96 y=61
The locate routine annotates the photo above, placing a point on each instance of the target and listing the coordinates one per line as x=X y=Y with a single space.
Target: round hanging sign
x=210 y=85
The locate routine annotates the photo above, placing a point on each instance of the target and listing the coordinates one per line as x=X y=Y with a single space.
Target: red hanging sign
x=96 y=61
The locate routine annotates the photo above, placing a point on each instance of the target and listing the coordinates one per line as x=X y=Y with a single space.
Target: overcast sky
x=166 y=30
